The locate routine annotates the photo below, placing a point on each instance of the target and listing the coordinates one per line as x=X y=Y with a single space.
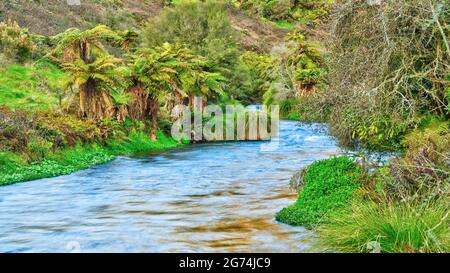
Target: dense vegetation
x=386 y=88
x=97 y=84
x=84 y=92
x=286 y=10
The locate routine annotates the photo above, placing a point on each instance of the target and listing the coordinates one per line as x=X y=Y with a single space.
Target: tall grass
x=388 y=227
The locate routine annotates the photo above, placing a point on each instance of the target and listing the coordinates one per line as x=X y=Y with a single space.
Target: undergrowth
x=329 y=184
x=14 y=169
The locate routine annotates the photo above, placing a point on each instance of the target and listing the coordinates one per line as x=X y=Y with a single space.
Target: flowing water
x=218 y=197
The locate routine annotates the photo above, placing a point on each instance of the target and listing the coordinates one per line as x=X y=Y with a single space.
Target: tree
x=77 y=44
x=94 y=81
x=203 y=27
x=171 y=73
x=84 y=56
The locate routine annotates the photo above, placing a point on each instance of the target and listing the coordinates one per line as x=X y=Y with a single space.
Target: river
x=215 y=197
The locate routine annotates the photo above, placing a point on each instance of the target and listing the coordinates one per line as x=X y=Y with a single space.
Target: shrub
x=328 y=185
x=387 y=227
x=15 y=42
x=384 y=76
x=288 y=107
x=203 y=27
x=38 y=148
x=259 y=67
x=38 y=134
x=424 y=170
x=303 y=11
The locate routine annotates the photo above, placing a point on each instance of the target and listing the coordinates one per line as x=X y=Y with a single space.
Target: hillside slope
x=55 y=16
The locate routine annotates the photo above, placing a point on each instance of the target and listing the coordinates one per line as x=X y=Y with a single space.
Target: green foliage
x=423 y=172
x=82 y=44
x=329 y=185
x=258 y=67
x=377 y=131
x=33 y=135
x=310 y=10
x=385 y=76
x=79 y=157
x=15 y=42
x=366 y=226
x=300 y=10
x=298 y=70
x=173 y=69
x=102 y=70
x=204 y=28
x=285 y=24
x=288 y=107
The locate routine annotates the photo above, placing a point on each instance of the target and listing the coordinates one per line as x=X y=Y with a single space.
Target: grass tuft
x=389 y=227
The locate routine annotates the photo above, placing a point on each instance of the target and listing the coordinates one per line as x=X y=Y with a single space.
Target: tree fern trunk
x=95 y=104
x=137 y=108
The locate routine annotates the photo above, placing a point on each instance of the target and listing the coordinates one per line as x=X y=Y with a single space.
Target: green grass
x=329 y=184
x=295 y=115
x=26 y=87
x=285 y=24
x=388 y=227
x=13 y=169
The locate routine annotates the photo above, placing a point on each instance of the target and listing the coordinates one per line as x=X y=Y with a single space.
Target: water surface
x=218 y=197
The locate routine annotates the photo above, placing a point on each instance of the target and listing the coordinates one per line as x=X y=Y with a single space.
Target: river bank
x=211 y=197
x=81 y=157
x=394 y=207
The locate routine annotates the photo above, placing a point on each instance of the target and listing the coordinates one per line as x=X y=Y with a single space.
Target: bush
x=387 y=227
x=288 y=107
x=259 y=66
x=203 y=27
x=303 y=11
x=38 y=134
x=328 y=185
x=384 y=76
x=15 y=42
x=424 y=171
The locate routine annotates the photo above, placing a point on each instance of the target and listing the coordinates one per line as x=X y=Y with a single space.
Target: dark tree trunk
x=153 y=107
x=144 y=107
x=94 y=104
x=138 y=107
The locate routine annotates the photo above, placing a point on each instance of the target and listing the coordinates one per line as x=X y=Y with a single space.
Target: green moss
x=13 y=168
x=329 y=184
